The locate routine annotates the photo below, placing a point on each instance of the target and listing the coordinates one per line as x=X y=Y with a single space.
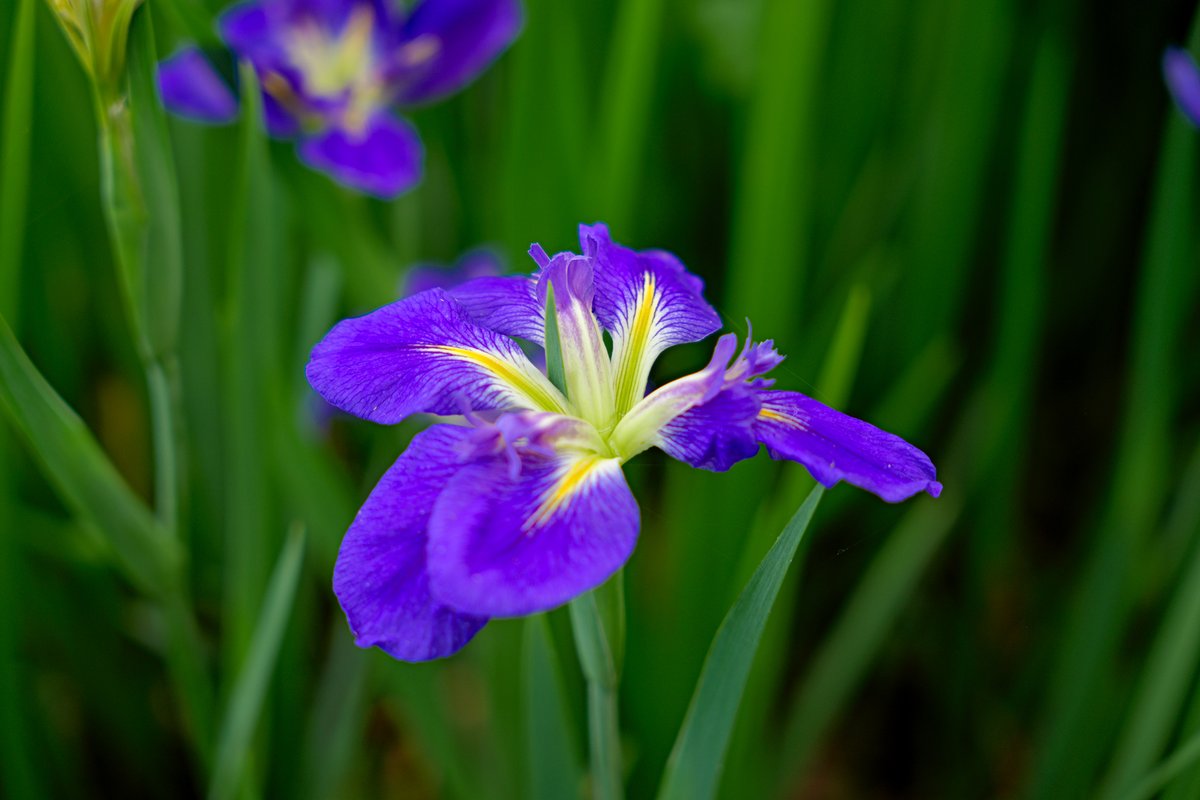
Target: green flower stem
x=125 y=215
x=600 y=671
x=139 y=198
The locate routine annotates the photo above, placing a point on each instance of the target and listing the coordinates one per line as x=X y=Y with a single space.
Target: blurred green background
x=971 y=223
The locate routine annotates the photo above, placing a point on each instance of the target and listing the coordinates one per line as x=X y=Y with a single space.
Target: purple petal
x=423 y=354
x=584 y=355
x=644 y=424
x=505 y=546
x=478 y=263
x=1183 y=81
x=257 y=33
x=447 y=43
x=384 y=159
x=717 y=434
x=380 y=577
x=648 y=301
x=281 y=124
x=332 y=15
x=191 y=87
x=834 y=447
x=506 y=304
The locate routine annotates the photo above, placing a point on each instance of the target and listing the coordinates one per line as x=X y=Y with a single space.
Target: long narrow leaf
x=251 y=358
x=626 y=107
x=694 y=768
x=868 y=617
x=250 y=689
x=19 y=773
x=77 y=466
x=554 y=770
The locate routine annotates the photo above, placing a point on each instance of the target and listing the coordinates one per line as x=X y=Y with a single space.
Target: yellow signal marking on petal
x=783 y=419
x=639 y=336
x=507 y=373
x=568 y=483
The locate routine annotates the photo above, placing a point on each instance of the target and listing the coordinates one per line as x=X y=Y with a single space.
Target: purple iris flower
x=1183 y=81
x=524 y=506
x=478 y=263
x=331 y=71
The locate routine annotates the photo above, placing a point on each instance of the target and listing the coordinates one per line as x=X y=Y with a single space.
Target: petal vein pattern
x=424 y=354
x=529 y=543
x=648 y=301
x=381 y=578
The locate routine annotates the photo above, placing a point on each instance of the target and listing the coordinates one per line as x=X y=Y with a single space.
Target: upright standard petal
x=423 y=354
x=836 y=447
x=192 y=88
x=381 y=578
x=447 y=43
x=383 y=159
x=585 y=358
x=648 y=301
x=505 y=545
x=1183 y=80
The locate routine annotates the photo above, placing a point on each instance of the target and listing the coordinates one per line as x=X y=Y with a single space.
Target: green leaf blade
x=694 y=769
x=85 y=478
x=554 y=770
x=253 y=681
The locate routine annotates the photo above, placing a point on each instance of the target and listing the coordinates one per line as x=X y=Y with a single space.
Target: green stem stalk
x=600 y=671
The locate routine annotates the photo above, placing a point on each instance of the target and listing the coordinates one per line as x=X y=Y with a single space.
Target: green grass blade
x=599 y=668
x=19 y=773
x=694 y=768
x=554 y=770
x=1170 y=668
x=625 y=108
x=1099 y=613
x=859 y=632
x=87 y=481
x=253 y=680
x=422 y=699
x=1161 y=776
x=192 y=19
x=14 y=157
x=773 y=211
x=336 y=718
x=161 y=269
x=251 y=358
x=747 y=772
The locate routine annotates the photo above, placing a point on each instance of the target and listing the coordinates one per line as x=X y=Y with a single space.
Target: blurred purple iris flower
x=478 y=263
x=524 y=506
x=332 y=70
x=1183 y=81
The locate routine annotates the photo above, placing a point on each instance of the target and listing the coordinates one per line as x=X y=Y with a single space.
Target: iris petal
x=585 y=358
x=506 y=304
x=717 y=434
x=424 y=354
x=447 y=43
x=505 y=545
x=648 y=301
x=642 y=427
x=381 y=578
x=383 y=159
x=1183 y=79
x=836 y=447
x=191 y=87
